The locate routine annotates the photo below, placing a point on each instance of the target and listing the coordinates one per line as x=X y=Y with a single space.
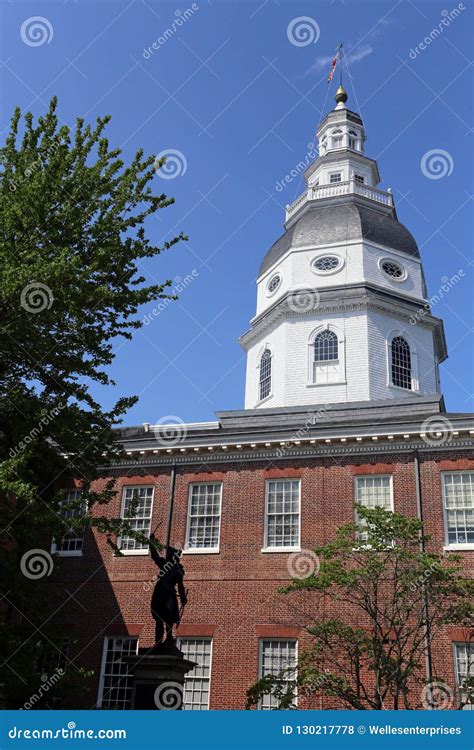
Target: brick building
x=342 y=404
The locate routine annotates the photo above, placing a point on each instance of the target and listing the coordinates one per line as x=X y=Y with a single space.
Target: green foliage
x=73 y=241
x=382 y=597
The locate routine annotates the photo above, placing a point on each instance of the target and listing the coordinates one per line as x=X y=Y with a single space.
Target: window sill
x=202 y=551
x=321 y=385
x=458 y=547
x=263 y=400
x=66 y=553
x=273 y=550
x=400 y=389
x=132 y=552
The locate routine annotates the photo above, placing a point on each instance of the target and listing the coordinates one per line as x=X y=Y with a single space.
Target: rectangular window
x=464 y=669
x=352 y=142
x=358 y=178
x=458 y=495
x=279 y=658
x=52 y=657
x=337 y=141
x=198 y=680
x=374 y=491
x=204 y=517
x=335 y=177
x=141 y=519
x=115 y=686
x=282 y=514
x=71 y=509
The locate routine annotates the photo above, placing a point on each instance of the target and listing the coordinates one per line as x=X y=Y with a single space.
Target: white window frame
x=415 y=383
x=341 y=361
x=143 y=551
x=372 y=476
x=107 y=638
x=294 y=548
x=189 y=676
x=457 y=676
x=335 y=174
x=202 y=550
x=275 y=639
x=55 y=547
x=272 y=373
x=338 y=268
x=447 y=544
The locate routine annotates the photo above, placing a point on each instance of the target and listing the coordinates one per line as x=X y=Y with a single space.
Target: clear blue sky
x=241 y=102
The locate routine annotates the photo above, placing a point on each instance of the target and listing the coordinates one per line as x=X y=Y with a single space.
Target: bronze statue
x=164 y=601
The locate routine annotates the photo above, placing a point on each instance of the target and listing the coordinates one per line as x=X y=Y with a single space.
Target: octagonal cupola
x=339 y=294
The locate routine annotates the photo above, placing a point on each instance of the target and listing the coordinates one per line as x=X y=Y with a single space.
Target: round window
x=327 y=263
x=393 y=270
x=274 y=283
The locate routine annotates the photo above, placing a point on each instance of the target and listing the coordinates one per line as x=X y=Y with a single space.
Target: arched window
x=265 y=374
x=401 y=363
x=336 y=139
x=325 y=347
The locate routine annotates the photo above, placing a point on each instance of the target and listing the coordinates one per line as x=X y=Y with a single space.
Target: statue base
x=158 y=677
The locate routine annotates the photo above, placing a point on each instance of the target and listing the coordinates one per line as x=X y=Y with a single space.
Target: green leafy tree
x=385 y=600
x=73 y=217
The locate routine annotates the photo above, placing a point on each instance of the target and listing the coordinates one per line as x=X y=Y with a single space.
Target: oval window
x=393 y=270
x=327 y=263
x=274 y=283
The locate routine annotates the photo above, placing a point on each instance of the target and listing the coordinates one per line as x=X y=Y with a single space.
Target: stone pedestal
x=158 y=678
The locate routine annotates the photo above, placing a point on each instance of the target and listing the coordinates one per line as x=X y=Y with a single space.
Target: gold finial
x=341 y=95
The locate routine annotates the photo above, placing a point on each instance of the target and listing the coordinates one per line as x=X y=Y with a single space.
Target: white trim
x=361 y=242
x=331 y=271
x=456 y=547
x=132 y=552
x=100 y=689
x=122 y=508
x=377 y=476
x=415 y=383
x=260 y=354
x=273 y=550
x=65 y=553
x=297 y=547
x=294 y=640
x=280 y=282
x=202 y=550
x=387 y=259
x=341 y=354
x=76 y=552
x=209 y=638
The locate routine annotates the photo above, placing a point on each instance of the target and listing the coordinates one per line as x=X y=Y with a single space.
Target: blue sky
x=230 y=92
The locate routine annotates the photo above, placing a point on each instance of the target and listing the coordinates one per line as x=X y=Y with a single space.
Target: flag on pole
x=336 y=57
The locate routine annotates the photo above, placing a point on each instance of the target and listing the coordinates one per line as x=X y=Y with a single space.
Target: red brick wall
x=233 y=595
